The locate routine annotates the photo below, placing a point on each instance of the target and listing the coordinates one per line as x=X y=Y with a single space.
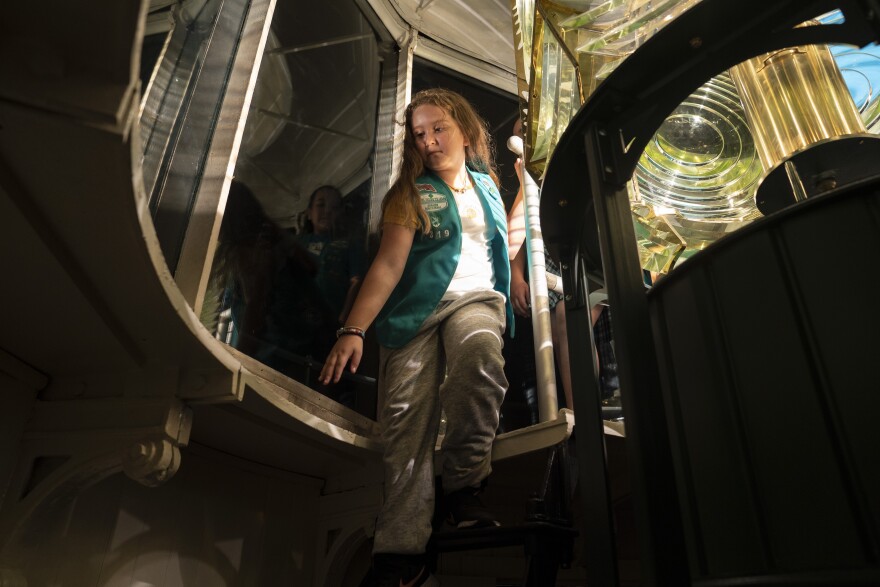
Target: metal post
x=545 y=366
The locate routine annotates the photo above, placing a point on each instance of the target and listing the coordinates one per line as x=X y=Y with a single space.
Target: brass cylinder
x=794 y=98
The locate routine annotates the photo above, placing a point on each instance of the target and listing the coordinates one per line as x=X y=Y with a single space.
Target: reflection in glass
x=696 y=179
x=658 y=242
x=335 y=249
x=524 y=29
x=279 y=294
x=589 y=27
x=616 y=28
x=264 y=279
x=282 y=295
x=273 y=95
x=641 y=20
x=172 y=85
x=181 y=108
x=291 y=248
x=860 y=68
x=701 y=169
x=702 y=160
x=861 y=73
x=311 y=122
x=555 y=93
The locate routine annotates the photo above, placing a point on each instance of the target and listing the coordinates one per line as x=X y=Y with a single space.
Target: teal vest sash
x=434 y=257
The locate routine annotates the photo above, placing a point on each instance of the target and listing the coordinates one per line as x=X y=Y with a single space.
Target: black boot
x=465 y=509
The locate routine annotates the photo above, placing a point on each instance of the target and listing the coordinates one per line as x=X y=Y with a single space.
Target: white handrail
x=545 y=365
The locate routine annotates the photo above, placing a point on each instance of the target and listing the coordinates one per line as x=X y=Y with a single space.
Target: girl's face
x=325 y=210
x=439 y=140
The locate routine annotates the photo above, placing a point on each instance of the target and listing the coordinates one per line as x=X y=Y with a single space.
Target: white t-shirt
x=474 y=271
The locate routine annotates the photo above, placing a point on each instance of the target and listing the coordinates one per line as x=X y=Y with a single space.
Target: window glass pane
x=292 y=244
x=180 y=109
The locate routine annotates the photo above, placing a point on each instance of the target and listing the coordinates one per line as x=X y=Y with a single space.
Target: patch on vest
x=486 y=182
x=434 y=202
x=425 y=187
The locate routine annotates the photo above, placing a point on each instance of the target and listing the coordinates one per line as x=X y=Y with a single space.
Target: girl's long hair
x=479 y=154
x=246 y=230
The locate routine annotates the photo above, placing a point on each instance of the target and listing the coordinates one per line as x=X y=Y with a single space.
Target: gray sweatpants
x=454 y=363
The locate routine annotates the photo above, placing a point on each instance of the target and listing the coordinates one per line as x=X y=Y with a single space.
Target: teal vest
x=434 y=257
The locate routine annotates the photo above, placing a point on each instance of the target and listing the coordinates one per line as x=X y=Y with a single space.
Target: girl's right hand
x=349 y=348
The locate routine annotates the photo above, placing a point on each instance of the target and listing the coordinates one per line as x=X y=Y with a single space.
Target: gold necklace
x=460 y=190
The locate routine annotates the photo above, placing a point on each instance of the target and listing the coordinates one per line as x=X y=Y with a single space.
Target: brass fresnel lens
x=807 y=130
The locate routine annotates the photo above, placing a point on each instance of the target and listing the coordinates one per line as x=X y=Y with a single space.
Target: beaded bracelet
x=350 y=330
